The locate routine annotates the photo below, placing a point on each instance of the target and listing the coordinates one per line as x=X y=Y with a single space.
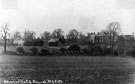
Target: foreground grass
x=71 y=70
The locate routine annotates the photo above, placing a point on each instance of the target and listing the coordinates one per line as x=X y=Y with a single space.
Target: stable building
x=53 y=42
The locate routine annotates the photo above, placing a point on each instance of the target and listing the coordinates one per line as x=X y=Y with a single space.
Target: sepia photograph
x=67 y=41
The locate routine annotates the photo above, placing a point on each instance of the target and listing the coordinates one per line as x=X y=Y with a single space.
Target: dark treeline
x=109 y=41
x=30 y=39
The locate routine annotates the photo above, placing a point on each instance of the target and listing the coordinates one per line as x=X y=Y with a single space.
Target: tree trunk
x=5 y=45
x=110 y=43
x=125 y=52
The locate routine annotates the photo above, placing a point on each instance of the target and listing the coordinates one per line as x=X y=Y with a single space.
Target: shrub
x=106 y=51
x=63 y=50
x=20 y=50
x=34 y=50
x=131 y=52
x=85 y=51
x=74 y=48
x=96 y=50
x=44 y=52
x=11 y=52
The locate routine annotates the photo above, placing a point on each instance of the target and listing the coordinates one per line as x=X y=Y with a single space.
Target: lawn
x=69 y=69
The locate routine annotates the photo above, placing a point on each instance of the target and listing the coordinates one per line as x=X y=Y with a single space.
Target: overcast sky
x=83 y=15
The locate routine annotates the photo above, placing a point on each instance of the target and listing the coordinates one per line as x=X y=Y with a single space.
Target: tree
x=125 y=46
x=72 y=36
x=46 y=35
x=17 y=35
x=57 y=33
x=28 y=37
x=5 y=32
x=82 y=39
x=121 y=45
x=113 y=30
x=62 y=40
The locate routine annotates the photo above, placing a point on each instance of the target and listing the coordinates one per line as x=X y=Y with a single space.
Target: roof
x=129 y=37
x=102 y=34
x=53 y=40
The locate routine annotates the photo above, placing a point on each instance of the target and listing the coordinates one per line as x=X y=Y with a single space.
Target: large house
x=101 y=38
x=92 y=37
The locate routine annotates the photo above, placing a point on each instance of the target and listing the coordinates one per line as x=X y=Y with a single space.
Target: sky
x=83 y=15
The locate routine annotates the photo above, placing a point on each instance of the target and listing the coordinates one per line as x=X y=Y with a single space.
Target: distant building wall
x=129 y=37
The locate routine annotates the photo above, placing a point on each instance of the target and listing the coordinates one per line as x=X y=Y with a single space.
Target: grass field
x=71 y=70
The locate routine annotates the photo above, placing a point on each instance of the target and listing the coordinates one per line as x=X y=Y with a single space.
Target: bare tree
x=17 y=35
x=72 y=36
x=46 y=35
x=29 y=35
x=82 y=38
x=5 y=32
x=57 y=33
x=113 y=29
